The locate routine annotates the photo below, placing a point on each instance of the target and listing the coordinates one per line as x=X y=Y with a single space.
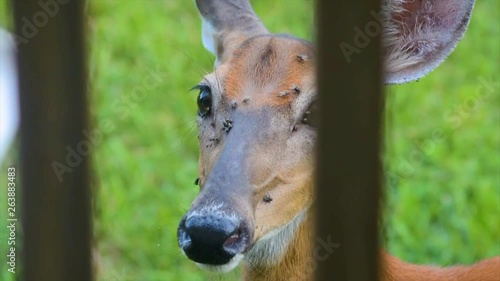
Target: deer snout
x=213 y=239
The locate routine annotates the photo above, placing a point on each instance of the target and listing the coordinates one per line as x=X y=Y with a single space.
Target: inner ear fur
x=420 y=34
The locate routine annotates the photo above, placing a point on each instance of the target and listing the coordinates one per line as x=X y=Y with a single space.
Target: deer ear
x=420 y=34
x=226 y=24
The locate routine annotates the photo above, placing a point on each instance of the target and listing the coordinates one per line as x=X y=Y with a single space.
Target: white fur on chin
x=270 y=248
x=222 y=268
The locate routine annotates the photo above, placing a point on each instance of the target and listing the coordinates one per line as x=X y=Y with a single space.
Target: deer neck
x=296 y=262
x=393 y=269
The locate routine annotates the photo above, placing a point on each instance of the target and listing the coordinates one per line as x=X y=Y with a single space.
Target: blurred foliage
x=442 y=139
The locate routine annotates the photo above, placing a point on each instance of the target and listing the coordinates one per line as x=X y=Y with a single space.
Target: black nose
x=211 y=239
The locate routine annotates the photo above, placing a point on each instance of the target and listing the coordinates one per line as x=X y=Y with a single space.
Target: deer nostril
x=233 y=239
x=184 y=240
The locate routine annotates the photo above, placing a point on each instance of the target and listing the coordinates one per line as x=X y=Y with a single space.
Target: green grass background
x=443 y=194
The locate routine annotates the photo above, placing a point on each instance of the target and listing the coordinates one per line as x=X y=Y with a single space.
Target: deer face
x=256 y=122
x=256 y=133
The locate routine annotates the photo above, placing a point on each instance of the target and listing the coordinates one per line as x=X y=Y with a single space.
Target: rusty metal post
x=54 y=170
x=349 y=165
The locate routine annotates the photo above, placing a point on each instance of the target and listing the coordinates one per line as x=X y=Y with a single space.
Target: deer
x=257 y=121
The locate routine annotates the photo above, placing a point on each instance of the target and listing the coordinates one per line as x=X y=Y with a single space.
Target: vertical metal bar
x=349 y=165
x=54 y=156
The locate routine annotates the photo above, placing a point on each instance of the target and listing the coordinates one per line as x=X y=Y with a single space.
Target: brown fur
x=297 y=265
x=262 y=60
x=393 y=269
x=293 y=266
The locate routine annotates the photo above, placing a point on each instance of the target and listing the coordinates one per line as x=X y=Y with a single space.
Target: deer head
x=257 y=124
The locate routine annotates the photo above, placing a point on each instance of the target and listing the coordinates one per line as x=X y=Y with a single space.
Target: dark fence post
x=54 y=171
x=349 y=167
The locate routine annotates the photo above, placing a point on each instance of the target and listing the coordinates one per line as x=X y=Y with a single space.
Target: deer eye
x=204 y=101
x=311 y=116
